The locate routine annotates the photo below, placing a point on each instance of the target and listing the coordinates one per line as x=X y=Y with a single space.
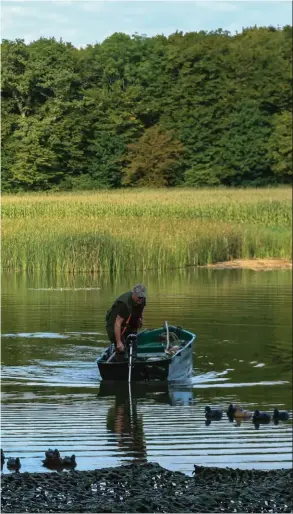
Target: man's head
x=139 y=293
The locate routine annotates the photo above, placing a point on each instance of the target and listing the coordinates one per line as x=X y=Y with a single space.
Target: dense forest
x=195 y=109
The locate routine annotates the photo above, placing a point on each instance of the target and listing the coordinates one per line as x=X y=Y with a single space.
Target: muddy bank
x=253 y=264
x=148 y=488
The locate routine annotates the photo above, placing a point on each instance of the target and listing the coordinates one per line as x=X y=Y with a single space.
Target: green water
x=53 y=331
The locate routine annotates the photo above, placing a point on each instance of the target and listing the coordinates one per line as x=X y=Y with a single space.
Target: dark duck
x=231 y=410
x=53 y=459
x=69 y=462
x=2 y=458
x=213 y=413
x=13 y=463
x=280 y=415
x=261 y=417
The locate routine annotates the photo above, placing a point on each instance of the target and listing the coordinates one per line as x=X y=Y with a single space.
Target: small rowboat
x=159 y=354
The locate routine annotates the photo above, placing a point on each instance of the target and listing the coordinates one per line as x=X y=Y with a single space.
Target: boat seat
x=153 y=356
x=151 y=348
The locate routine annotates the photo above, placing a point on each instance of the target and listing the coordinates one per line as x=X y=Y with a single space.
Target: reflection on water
x=163 y=423
x=124 y=421
x=53 y=330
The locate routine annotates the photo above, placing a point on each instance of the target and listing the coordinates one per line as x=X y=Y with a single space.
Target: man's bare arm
x=117 y=332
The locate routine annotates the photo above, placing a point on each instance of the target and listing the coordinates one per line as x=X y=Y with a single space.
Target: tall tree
x=280 y=146
x=69 y=115
x=153 y=160
x=34 y=164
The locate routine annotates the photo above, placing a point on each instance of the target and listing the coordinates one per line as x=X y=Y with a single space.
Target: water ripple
x=89 y=428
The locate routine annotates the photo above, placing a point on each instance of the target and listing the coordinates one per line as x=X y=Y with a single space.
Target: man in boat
x=125 y=316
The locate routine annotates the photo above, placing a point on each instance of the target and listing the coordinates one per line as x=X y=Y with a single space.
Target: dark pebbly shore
x=148 y=488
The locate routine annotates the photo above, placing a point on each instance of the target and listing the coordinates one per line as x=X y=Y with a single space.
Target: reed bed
x=139 y=230
x=263 y=206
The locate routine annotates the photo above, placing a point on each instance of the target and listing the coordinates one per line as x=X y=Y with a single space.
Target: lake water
x=53 y=331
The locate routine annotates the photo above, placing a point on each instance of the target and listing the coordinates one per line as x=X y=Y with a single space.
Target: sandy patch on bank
x=253 y=264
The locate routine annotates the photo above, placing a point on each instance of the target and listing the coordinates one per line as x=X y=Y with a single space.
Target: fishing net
x=173 y=338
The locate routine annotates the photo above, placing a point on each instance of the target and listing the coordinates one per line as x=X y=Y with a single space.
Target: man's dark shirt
x=124 y=306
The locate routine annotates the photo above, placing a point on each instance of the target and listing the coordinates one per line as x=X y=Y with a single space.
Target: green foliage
x=242 y=155
x=105 y=167
x=72 y=118
x=152 y=160
x=280 y=145
x=199 y=176
x=34 y=162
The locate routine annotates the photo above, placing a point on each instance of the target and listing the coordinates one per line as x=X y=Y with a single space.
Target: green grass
x=144 y=229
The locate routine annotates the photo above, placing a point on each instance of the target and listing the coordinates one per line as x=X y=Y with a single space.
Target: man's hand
x=120 y=347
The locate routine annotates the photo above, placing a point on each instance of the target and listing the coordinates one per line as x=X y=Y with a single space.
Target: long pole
x=130 y=363
x=129 y=383
x=130 y=404
x=167 y=333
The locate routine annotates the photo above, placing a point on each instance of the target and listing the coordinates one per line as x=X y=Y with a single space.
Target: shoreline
x=252 y=264
x=148 y=487
x=242 y=264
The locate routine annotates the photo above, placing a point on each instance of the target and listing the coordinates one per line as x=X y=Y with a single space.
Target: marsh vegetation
x=144 y=229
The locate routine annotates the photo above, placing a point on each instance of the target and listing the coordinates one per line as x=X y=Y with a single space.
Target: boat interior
x=156 y=344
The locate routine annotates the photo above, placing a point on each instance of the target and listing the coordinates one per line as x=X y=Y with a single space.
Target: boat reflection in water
x=123 y=418
x=123 y=421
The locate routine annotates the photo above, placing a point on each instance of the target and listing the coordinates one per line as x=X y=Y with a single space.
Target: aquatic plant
x=144 y=229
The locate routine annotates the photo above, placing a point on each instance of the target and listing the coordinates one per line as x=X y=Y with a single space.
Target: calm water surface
x=53 y=330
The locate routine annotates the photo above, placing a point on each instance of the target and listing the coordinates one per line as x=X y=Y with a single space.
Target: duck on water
x=54 y=460
x=237 y=412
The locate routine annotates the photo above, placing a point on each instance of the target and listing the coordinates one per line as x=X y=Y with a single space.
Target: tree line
x=194 y=109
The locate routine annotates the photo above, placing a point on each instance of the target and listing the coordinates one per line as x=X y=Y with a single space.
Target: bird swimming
x=53 y=458
x=235 y=411
x=14 y=463
x=213 y=413
x=242 y=414
x=2 y=459
x=281 y=415
x=230 y=411
x=52 y=454
x=69 y=461
x=261 y=416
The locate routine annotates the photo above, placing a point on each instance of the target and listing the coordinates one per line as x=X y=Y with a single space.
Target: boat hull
x=140 y=371
x=176 y=367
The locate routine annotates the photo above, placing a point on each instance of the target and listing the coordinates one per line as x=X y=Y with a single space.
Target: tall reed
x=119 y=230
